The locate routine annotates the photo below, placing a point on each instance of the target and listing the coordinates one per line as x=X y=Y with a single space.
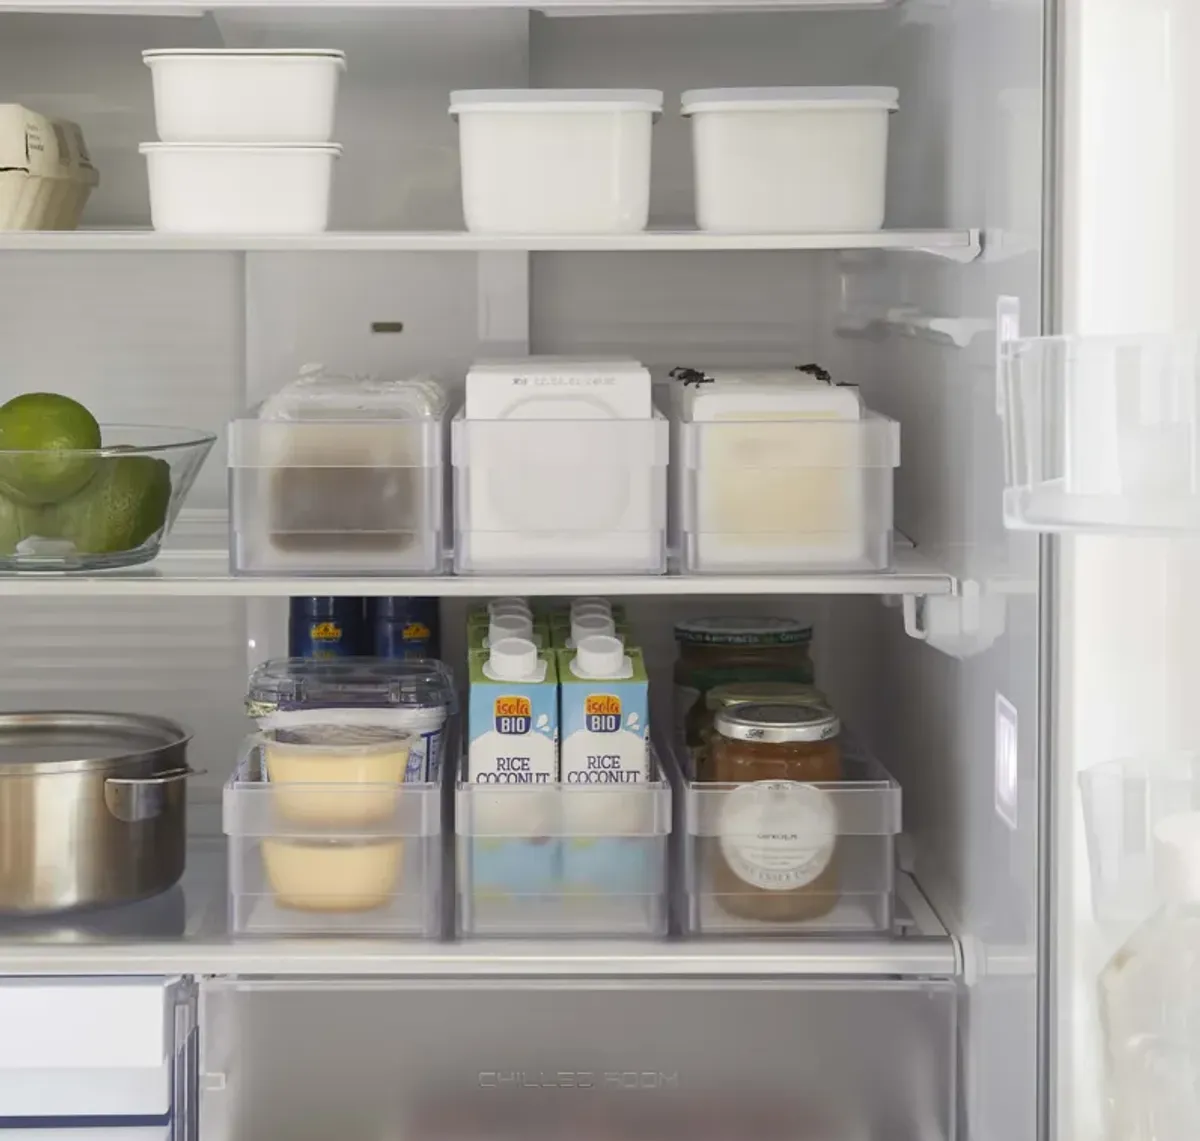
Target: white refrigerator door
x=1123 y=692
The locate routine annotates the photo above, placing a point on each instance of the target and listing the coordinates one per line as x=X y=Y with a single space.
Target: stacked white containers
x=559 y=467
x=245 y=140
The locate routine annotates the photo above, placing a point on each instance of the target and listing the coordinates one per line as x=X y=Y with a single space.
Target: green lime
x=48 y=428
x=123 y=506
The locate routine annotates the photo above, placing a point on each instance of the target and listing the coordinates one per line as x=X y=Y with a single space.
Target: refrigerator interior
x=194 y=337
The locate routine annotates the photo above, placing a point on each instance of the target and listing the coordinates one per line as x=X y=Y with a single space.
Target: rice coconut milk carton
x=512 y=755
x=604 y=718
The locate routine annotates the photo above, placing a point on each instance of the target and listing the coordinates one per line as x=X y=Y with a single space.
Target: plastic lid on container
x=513 y=659
x=743 y=632
x=599 y=656
x=790 y=99
x=337 y=683
x=533 y=99
x=591 y=624
x=148 y=57
x=318 y=394
x=1177 y=857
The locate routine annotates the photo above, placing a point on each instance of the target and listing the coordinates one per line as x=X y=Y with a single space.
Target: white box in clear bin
x=776 y=472
x=289 y=874
x=865 y=807
x=339 y=475
x=565 y=496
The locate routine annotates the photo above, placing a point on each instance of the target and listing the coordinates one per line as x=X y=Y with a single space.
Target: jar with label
x=700 y=720
x=719 y=651
x=776 y=830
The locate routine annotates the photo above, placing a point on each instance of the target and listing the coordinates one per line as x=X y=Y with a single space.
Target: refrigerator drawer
x=97 y=1057
x=360 y=1060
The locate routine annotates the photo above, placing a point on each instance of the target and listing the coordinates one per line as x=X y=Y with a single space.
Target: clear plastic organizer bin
x=778 y=495
x=1102 y=434
x=561 y=859
x=332 y=859
x=337 y=496
x=837 y=839
x=560 y=496
x=1123 y=800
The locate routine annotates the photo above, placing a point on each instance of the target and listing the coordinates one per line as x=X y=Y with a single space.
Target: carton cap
x=513 y=659
x=591 y=605
x=510 y=605
x=599 y=656
x=590 y=625
x=511 y=625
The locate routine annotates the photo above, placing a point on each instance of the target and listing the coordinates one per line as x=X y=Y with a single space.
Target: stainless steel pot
x=93 y=809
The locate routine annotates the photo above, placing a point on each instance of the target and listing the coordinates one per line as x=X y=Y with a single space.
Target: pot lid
x=70 y=741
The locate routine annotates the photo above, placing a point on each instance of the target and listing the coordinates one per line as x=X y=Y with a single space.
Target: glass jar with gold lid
x=776 y=829
x=700 y=718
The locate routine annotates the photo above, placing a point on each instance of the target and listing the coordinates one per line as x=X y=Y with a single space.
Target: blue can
x=404 y=628
x=326 y=628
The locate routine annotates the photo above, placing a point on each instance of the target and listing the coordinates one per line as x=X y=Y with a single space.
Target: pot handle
x=133 y=799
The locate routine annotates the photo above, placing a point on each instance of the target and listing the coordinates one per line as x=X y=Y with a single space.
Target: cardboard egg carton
x=46 y=174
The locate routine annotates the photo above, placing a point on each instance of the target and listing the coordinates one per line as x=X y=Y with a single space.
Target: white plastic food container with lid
x=239 y=188
x=245 y=96
x=790 y=159
x=555 y=161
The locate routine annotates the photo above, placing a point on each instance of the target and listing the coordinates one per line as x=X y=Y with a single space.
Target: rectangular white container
x=790 y=159
x=777 y=495
x=560 y=496
x=244 y=95
x=248 y=188
x=336 y=496
x=555 y=161
x=111 y=1051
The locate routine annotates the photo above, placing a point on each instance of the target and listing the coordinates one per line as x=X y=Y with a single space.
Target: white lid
x=1177 y=857
x=789 y=99
x=149 y=57
x=334 y=149
x=599 y=656
x=513 y=659
x=509 y=624
x=556 y=99
x=509 y=605
x=591 y=623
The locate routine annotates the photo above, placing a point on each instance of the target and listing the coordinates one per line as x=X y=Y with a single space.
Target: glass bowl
x=132 y=489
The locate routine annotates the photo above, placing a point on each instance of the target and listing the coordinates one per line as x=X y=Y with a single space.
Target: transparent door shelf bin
x=560 y=496
x=562 y=859
x=1123 y=800
x=1102 y=434
x=336 y=497
x=330 y=859
x=778 y=495
x=846 y=830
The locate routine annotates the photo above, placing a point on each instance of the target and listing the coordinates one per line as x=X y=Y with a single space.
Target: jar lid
x=766 y=692
x=760 y=632
x=777 y=723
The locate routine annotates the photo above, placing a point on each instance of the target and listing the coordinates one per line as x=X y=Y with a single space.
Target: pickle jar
x=721 y=651
x=703 y=713
x=776 y=830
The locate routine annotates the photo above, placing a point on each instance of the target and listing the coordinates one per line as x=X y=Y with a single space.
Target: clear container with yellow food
x=332 y=774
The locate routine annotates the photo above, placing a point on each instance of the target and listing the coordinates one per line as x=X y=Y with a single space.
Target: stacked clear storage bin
x=563 y=859
x=339 y=475
x=334 y=815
